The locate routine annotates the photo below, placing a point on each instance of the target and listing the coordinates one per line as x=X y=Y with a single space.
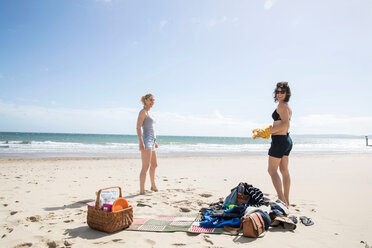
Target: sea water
x=38 y=145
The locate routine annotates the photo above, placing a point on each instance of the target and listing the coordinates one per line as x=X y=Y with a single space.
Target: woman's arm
x=283 y=125
x=141 y=118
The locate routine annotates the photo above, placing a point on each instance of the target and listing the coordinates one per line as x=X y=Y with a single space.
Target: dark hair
x=284 y=87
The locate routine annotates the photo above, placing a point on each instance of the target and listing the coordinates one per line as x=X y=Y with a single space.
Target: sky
x=81 y=66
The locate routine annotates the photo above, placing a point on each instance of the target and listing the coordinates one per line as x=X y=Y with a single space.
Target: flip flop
x=306 y=221
x=293 y=218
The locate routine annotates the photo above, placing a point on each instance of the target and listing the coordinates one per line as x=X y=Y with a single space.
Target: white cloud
x=235 y=20
x=163 y=23
x=28 y=118
x=211 y=23
x=332 y=124
x=53 y=119
x=195 y=20
x=117 y=120
x=268 y=4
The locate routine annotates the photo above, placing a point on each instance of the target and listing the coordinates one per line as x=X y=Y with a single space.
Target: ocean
x=40 y=145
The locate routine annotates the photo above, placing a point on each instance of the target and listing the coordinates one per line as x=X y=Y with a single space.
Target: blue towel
x=210 y=222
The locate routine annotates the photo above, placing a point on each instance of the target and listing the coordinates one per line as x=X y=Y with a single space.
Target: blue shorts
x=149 y=142
x=281 y=145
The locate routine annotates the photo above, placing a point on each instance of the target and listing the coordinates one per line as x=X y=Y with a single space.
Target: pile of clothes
x=244 y=200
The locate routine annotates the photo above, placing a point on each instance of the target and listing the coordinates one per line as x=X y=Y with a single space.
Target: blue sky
x=82 y=65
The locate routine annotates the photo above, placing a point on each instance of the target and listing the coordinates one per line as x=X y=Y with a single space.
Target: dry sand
x=43 y=201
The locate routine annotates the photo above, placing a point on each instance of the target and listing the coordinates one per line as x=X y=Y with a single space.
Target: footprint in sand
x=35 y=218
x=28 y=244
x=116 y=240
x=206 y=239
x=185 y=210
x=51 y=244
x=206 y=195
x=13 y=212
x=67 y=243
x=143 y=205
x=150 y=241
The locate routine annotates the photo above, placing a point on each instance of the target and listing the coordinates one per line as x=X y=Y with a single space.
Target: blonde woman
x=147 y=142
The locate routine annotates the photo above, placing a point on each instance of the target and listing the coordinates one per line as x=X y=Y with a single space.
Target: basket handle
x=99 y=194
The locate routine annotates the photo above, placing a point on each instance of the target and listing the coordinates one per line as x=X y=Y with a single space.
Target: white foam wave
x=177 y=148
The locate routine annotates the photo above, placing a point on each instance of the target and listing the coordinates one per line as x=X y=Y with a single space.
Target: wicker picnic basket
x=109 y=221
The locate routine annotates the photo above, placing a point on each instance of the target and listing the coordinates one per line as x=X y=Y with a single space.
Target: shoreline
x=191 y=155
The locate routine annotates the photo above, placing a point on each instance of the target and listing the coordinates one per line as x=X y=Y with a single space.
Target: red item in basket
x=106 y=207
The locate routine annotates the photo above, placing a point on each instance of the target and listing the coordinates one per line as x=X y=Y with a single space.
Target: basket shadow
x=78 y=204
x=85 y=232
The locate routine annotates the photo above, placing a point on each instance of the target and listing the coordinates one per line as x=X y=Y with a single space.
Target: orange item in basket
x=119 y=204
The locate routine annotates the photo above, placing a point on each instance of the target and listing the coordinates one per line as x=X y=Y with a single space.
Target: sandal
x=306 y=221
x=293 y=218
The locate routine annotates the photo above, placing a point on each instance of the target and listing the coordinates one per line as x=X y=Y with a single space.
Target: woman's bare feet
x=154 y=189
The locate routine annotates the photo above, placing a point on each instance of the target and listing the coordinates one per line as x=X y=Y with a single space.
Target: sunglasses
x=280 y=92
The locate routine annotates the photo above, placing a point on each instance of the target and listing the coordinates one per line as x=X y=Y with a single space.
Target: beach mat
x=180 y=223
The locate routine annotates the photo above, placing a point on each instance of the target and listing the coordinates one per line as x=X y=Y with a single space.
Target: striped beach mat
x=180 y=223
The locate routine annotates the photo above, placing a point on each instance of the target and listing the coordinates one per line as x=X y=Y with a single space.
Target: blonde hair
x=145 y=97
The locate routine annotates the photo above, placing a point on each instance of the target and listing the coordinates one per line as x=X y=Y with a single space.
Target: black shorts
x=281 y=145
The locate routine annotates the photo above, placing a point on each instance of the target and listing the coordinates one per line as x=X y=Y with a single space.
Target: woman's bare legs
x=275 y=178
x=154 y=164
x=283 y=167
x=146 y=159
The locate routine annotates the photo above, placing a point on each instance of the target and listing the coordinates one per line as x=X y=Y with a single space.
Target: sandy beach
x=43 y=201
